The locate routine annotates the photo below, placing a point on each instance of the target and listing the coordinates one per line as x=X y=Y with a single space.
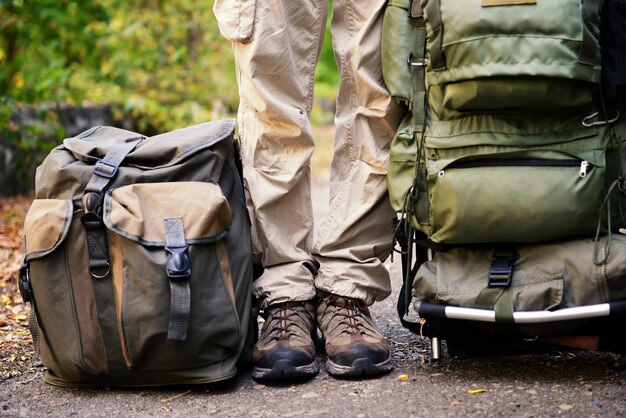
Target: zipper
x=584 y=166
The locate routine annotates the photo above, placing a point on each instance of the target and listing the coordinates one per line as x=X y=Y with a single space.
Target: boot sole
x=359 y=367
x=284 y=370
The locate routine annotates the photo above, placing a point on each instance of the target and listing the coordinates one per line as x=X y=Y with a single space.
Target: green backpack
x=509 y=166
x=138 y=259
x=506 y=132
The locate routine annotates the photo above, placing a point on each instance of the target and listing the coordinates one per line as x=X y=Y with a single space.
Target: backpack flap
x=93 y=144
x=513 y=54
x=151 y=152
x=45 y=227
x=193 y=153
x=137 y=211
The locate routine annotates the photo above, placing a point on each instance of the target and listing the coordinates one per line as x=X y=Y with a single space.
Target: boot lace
x=281 y=320
x=351 y=312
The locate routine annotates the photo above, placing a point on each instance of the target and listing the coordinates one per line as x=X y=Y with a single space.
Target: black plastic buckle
x=104 y=169
x=24 y=283
x=178 y=265
x=92 y=202
x=91 y=221
x=501 y=269
x=92 y=206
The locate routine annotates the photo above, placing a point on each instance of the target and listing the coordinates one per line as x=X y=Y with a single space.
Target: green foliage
x=161 y=63
x=42 y=44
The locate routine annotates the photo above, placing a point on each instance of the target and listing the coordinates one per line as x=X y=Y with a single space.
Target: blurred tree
x=42 y=44
x=162 y=63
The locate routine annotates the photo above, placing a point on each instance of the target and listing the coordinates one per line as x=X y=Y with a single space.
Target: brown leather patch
x=487 y=3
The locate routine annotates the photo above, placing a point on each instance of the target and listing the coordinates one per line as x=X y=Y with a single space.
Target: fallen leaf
x=403 y=377
x=472 y=391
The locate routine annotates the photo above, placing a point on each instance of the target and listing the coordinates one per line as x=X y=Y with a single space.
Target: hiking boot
x=354 y=345
x=285 y=349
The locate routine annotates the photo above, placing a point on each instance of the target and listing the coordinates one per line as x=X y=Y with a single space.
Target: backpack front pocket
x=71 y=343
x=173 y=295
x=515 y=200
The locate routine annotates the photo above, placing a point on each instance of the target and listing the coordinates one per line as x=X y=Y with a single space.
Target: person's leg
x=275 y=73
x=356 y=236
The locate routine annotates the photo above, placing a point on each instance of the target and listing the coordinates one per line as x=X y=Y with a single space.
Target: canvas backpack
x=507 y=131
x=138 y=258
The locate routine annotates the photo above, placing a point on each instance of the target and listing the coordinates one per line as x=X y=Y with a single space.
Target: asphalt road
x=553 y=384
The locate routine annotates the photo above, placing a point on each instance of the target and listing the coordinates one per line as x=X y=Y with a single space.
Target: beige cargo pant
x=276 y=45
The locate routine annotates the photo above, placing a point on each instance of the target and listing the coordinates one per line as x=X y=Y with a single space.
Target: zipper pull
x=583 y=169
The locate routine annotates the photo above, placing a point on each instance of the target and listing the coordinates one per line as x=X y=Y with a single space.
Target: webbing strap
x=34 y=330
x=500 y=300
x=97 y=246
x=106 y=168
x=178 y=271
x=417 y=61
x=405 y=237
x=504 y=308
x=103 y=172
x=422 y=204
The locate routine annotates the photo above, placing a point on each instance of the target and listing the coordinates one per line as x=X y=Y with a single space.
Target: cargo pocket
x=402 y=161
x=560 y=274
x=71 y=342
x=167 y=252
x=235 y=18
x=512 y=200
x=395 y=49
x=458 y=278
x=493 y=94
